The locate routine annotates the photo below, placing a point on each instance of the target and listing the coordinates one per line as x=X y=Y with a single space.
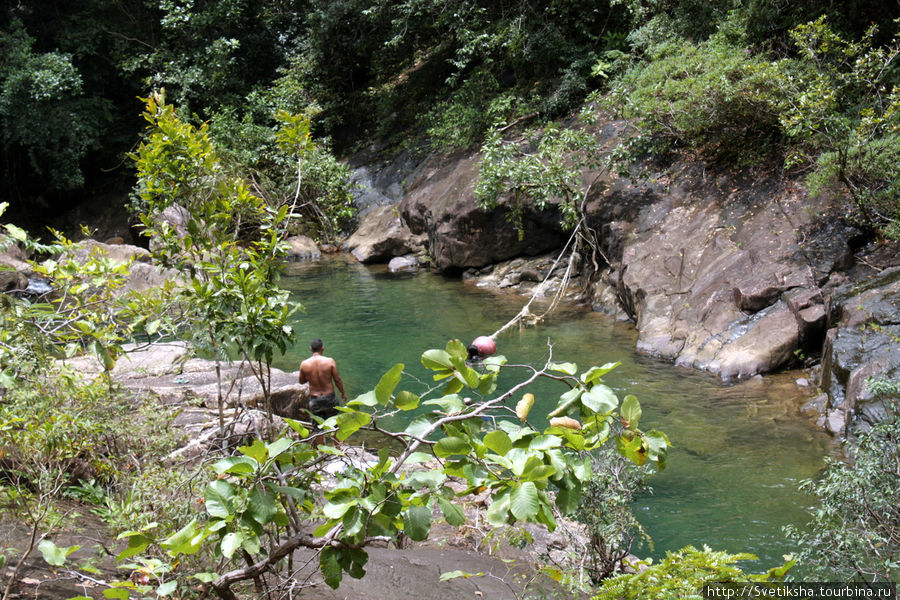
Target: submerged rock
x=301 y=247
x=408 y=262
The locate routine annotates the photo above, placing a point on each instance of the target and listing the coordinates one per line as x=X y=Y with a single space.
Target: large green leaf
x=55 y=555
x=658 y=444
x=544 y=442
x=231 y=542
x=354 y=520
x=353 y=560
x=219 y=495
x=436 y=360
x=452 y=513
x=167 y=588
x=183 y=541
x=595 y=373
x=566 y=402
x=450 y=403
x=568 y=500
x=498 y=441
x=456 y=348
x=538 y=472
x=406 y=400
x=367 y=399
x=278 y=446
x=631 y=446
x=136 y=544
x=498 y=511
x=600 y=399
x=631 y=411
x=567 y=368
x=236 y=465
x=388 y=383
x=329 y=564
x=257 y=451
x=432 y=479
x=337 y=509
x=262 y=507
x=449 y=446
x=350 y=422
x=523 y=501
x=417 y=522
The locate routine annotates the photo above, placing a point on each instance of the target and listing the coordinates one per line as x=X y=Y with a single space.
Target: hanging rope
x=525 y=315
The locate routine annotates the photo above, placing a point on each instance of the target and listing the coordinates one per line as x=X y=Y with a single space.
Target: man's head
x=316 y=345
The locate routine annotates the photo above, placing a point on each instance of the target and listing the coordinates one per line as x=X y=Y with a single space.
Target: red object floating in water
x=486 y=346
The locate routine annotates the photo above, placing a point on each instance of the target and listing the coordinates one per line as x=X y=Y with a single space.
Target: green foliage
x=472 y=108
x=261 y=503
x=606 y=513
x=45 y=114
x=852 y=535
x=843 y=112
x=714 y=96
x=379 y=64
x=883 y=386
x=544 y=167
x=231 y=248
x=276 y=150
x=683 y=574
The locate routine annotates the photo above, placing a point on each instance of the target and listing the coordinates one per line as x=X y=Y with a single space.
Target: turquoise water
x=739 y=450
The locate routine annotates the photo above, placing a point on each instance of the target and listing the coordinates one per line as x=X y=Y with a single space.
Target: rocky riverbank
x=735 y=271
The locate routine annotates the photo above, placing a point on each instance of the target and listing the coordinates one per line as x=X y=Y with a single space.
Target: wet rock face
x=715 y=277
x=862 y=346
x=441 y=204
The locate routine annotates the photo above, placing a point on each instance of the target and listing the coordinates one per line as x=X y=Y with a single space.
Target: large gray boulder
x=301 y=247
x=441 y=204
x=382 y=235
x=706 y=284
x=116 y=253
x=142 y=273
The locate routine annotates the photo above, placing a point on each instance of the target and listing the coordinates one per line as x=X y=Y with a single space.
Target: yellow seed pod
x=523 y=407
x=567 y=422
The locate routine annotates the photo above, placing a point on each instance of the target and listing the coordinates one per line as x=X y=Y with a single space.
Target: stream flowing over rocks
x=734 y=271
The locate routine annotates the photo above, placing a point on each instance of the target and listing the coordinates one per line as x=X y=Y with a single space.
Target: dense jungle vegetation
x=810 y=84
x=260 y=98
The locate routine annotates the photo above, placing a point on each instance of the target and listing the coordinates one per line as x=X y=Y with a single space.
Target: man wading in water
x=318 y=371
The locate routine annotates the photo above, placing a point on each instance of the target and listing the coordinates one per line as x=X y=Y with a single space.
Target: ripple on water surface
x=739 y=450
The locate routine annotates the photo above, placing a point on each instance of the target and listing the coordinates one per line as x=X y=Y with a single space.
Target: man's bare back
x=319 y=371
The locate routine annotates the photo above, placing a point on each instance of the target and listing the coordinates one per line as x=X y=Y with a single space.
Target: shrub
x=853 y=533
x=715 y=96
x=682 y=574
x=842 y=112
x=606 y=513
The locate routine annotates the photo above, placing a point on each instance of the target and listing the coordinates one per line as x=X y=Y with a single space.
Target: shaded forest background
x=435 y=75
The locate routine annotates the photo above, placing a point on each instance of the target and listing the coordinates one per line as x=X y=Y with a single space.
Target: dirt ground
x=412 y=572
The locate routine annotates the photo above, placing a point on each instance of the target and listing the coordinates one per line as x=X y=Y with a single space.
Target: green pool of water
x=739 y=450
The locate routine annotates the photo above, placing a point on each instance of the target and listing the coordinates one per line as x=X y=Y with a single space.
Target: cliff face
x=734 y=271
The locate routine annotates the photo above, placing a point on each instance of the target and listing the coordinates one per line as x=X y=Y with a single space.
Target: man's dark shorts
x=323 y=406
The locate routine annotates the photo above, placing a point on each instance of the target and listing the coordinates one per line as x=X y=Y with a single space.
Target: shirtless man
x=318 y=371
